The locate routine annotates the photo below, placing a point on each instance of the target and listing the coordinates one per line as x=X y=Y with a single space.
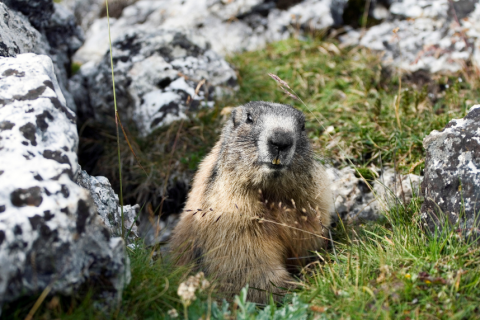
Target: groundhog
x=260 y=203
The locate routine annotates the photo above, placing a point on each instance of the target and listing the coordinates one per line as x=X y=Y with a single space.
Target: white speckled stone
x=17 y=35
x=428 y=37
x=50 y=233
x=156 y=77
x=108 y=206
x=229 y=26
x=452 y=175
x=355 y=202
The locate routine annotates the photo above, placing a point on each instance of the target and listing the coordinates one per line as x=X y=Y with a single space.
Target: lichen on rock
x=159 y=77
x=355 y=201
x=452 y=176
x=108 y=206
x=50 y=233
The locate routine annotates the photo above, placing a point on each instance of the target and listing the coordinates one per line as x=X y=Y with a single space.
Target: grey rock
x=17 y=35
x=452 y=175
x=428 y=36
x=108 y=206
x=156 y=231
x=159 y=77
x=229 y=26
x=62 y=32
x=336 y=9
x=64 y=38
x=352 y=197
x=355 y=201
x=56 y=35
x=38 y=12
x=393 y=189
x=463 y=8
x=50 y=233
x=87 y=11
x=423 y=8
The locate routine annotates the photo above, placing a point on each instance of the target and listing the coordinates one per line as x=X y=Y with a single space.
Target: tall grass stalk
x=291 y=93
x=116 y=121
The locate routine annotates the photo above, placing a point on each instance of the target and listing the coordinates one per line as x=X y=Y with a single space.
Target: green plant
x=75 y=67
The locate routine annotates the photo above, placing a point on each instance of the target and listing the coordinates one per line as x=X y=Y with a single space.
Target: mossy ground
x=359 y=115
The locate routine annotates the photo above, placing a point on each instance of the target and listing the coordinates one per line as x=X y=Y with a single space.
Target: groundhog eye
x=249 y=118
x=303 y=127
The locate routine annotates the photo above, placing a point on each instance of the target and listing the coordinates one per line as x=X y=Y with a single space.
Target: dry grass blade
x=416 y=164
x=116 y=121
x=129 y=145
x=167 y=176
x=278 y=80
x=293 y=228
x=282 y=85
x=291 y=95
x=39 y=302
x=199 y=85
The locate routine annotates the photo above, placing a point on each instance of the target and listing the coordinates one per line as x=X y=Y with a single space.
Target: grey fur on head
x=269 y=137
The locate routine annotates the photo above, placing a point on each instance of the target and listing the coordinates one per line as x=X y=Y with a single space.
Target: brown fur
x=245 y=224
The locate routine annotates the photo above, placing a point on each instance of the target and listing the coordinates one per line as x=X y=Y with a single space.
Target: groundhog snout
x=279 y=141
x=280 y=144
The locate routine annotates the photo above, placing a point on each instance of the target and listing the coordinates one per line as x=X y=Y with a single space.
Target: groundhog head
x=265 y=140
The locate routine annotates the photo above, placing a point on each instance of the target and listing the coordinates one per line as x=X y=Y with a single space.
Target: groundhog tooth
x=276 y=161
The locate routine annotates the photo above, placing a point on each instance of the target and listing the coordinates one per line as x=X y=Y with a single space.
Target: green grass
x=348 y=91
x=398 y=271
x=392 y=269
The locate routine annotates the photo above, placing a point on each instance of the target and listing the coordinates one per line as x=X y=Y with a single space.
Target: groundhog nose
x=281 y=140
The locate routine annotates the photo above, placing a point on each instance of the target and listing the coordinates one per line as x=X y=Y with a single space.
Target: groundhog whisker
x=291 y=227
x=304 y=257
